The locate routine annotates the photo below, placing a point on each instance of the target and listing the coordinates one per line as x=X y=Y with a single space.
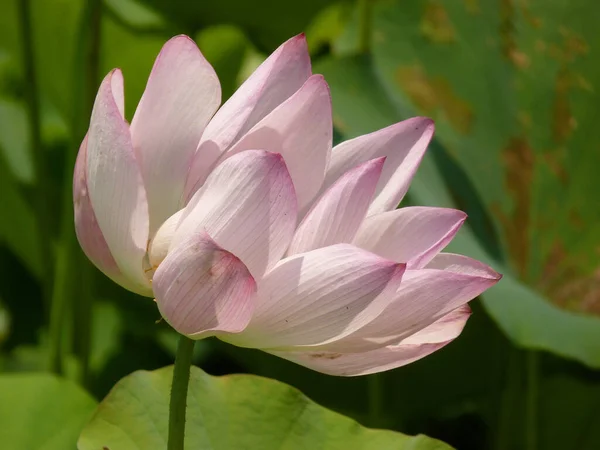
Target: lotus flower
x=245 y=224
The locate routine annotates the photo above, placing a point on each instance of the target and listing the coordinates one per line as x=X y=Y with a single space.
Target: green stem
x=60 y=293
x=509 y=401
x=42 y=212
x=73 y=276
x=91 y=33
x=532 y=397
x=179 y=389
x=375 y=391
x=364 y=25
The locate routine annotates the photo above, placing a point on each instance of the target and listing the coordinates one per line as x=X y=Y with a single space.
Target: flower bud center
x=158 y=248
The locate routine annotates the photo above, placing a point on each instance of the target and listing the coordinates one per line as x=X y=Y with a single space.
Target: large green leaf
x=267 y=22
x=18 y=230
x=41 y=411
x=14 y=139
x=54 y=28
x=361 y=105
x=230 y=412
x=225 y=47
x=514 y=91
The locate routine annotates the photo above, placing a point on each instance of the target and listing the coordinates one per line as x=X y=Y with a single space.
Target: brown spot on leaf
x=436 y=25
x=472 y=6
x=325 y=355
x=576 y=221
x=534 y=21
x=562 y=280
x=540 y=46
x=433 y=94
x=519 y=160
x=519 y=59
x=562 y=121
x=508 y=42
x=573 y=46
x=524 y=118
x=579 y=293
x=583 y=83
x=555 y=160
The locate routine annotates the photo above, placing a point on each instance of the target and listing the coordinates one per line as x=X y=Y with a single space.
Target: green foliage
x=20 y=232
x=241 y=412
x=267 y=22
x=513 y=89
x=370 y=93
x=40 y=411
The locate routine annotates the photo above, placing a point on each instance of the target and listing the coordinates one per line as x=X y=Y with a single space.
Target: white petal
x=364 y=363
x=413 y=235
x=115 y=186
x=161 y=242
x=88 y=232
x=337 y=215
x=415 y=347
x=301 y=130
x=182 y=94
x=311 y=298
x=424 y=296
x=273 y=82
x=202 y=290
x=444 y=329
x=248 y=206
x=403 y=144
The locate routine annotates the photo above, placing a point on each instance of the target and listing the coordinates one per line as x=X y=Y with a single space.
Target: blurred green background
x=513 y=86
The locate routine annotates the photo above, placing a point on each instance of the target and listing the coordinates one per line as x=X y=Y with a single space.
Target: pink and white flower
x=245 y=224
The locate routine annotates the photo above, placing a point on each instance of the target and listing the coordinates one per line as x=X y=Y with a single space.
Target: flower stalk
x=179 y=390
x=364 y=26
x=33 y=114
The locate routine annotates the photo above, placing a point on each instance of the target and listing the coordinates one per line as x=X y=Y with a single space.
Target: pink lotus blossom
x=245 y=224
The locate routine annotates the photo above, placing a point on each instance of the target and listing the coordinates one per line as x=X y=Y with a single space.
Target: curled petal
x=444 y=329
x=248 y=206
x=432 y=338
x=424 y=296
x=203 y=290
x=413 y=234
x=273 y=82
x=337 y=215
x=314 y=297
x=87 y=230
x=403 y=144
x=114 y=183
x=182 y=94
x=301 y=130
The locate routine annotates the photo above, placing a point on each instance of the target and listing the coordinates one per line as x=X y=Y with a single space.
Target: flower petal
x=115 y=188
x=378 y=360
x=248 y=206
x=202 y=290
x=273 y=82
x=403 y=144
x=444 y=329
x=182 y=94
x=87 y=230
x=337 y=215
x=462 y=265
x=159 y=246
x=413 y=234
x=301 y=130
x=324 y=294
x=415 y=347
x=424 y=296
